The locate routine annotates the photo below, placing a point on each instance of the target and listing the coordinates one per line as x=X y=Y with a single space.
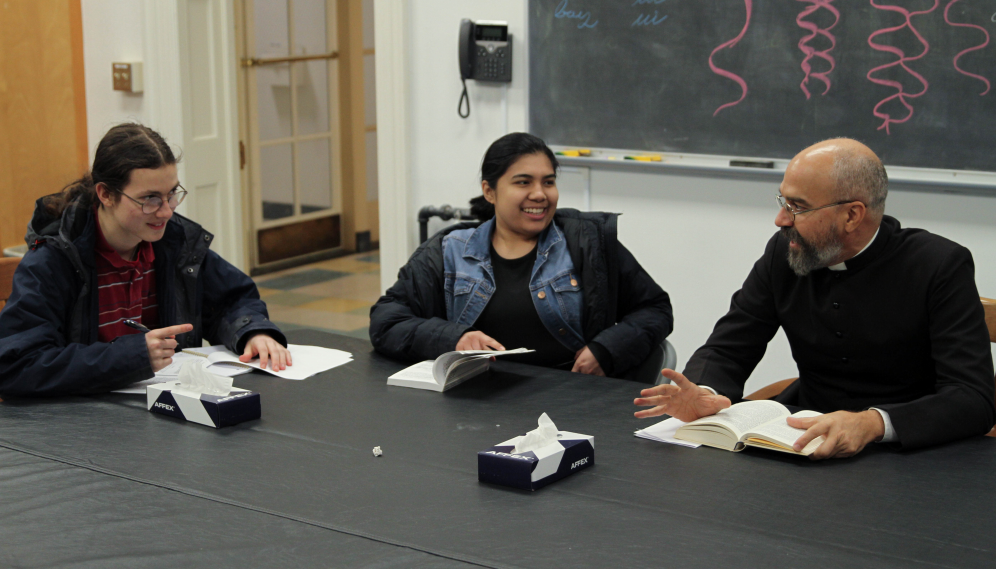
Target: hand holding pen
x=161 y=342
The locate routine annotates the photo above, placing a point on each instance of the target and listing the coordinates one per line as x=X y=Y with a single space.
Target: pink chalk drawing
x=729 y=75
x=947 y=19
x=811 y=52
x=902 y=96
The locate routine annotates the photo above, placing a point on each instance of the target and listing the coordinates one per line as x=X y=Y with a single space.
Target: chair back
x=7 y=267
x=663 y=356
x=989 y=305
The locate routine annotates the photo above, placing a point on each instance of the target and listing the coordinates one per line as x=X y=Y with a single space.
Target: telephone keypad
x=493 y=63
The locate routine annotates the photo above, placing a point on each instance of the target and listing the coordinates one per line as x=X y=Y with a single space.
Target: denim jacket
x=469 y=281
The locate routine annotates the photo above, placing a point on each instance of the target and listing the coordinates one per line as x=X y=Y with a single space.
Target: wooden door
x=43 y=138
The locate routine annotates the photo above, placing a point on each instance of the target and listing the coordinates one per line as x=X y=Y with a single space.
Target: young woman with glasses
x=110 y=248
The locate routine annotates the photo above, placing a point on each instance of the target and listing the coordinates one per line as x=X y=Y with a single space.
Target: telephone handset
x=485 y=55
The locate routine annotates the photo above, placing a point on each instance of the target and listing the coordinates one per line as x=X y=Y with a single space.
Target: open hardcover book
x=751 y=423
x=448 y=370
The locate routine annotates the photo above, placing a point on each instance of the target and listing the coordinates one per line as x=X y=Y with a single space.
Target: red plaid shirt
x=125 y=289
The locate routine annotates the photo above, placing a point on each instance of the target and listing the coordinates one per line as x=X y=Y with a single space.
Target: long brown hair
x=124 y=148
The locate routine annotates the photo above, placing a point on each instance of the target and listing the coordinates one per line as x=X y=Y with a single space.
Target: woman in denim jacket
x=528 y=276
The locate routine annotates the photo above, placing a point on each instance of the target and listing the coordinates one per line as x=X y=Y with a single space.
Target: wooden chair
x=771 y=391
x=7 y=267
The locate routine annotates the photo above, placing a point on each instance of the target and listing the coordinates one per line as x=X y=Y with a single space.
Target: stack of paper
x=308 y=361
x=219 y=360
x=664 y=432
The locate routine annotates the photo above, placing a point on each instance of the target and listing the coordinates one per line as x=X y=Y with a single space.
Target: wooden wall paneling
x=42 y=109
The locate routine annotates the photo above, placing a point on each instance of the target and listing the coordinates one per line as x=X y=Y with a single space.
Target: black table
x=101 y=482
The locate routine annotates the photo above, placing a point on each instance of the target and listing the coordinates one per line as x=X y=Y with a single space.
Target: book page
x=421 y=371
x=784 y=436
x=446 y=363
x=742 y=417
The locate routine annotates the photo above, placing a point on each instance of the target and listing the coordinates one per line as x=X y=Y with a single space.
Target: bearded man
x=884 y=323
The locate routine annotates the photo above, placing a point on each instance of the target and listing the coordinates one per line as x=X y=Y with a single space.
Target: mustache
x=792 y=234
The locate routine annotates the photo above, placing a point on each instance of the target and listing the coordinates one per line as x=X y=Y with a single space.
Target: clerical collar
x=842 y=266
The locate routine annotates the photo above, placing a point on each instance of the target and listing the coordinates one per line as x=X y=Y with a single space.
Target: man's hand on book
x=478 y=341
x=682 y=399
x=847 y=433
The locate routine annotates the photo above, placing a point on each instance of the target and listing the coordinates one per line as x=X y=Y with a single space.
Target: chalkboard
x=913 y=79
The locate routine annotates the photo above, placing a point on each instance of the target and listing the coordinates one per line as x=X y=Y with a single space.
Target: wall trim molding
x=164 y=106
x=393 y=136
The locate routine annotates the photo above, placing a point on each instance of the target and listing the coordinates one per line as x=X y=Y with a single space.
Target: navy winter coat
x=48 y=329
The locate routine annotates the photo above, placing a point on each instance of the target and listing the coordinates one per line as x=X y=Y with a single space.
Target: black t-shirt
x=510 y=316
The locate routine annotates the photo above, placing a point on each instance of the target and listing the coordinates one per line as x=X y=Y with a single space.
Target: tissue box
x=536 y=468
x=212 y=410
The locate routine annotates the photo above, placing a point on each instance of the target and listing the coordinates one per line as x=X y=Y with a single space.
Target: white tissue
x=539 y=437
x=193 y=377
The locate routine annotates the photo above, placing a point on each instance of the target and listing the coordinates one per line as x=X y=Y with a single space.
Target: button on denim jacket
x=554 y=286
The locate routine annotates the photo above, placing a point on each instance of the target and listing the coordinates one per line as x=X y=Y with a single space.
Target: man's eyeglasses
x=152 y=204
x=796 y=211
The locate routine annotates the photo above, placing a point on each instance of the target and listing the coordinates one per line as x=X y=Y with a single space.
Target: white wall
x=697 y=234
x=446 y=150
x=113 y=30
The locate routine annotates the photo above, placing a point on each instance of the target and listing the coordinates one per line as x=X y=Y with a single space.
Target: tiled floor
x=334 y=295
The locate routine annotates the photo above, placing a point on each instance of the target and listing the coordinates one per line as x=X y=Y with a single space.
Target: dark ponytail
x=124 y=148
x=500 y=156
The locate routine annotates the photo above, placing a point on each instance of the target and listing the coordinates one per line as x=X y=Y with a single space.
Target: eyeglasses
x=152 y=204
x=795 y=211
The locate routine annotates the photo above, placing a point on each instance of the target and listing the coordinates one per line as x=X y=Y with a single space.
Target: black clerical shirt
x=902 y=329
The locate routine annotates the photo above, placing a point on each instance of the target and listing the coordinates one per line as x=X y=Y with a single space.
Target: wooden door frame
x=249 y=155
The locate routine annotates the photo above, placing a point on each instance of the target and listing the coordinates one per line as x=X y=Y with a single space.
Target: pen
x=132 y=324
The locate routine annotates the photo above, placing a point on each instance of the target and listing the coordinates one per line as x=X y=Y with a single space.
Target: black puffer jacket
x=625 y=311
x=48 y=330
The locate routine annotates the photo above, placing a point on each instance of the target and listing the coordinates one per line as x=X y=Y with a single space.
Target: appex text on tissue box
x=536 y=468
x=212 y=410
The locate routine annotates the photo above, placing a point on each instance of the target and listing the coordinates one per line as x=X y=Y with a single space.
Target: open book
x=751 y=423
x=308 y=360
x=448 y=370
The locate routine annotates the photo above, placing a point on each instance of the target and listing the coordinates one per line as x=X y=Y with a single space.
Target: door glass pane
x=312 y=96
x=371 y=165
x=274 y=96
x=277 y=181
x=272 y=81
x=369 y=90
x=314 y=175
x=309 y=27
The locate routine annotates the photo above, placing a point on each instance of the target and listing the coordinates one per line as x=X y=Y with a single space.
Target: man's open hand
x=682 y=399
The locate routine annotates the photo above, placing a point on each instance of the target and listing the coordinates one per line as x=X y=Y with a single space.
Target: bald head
x=847 y=170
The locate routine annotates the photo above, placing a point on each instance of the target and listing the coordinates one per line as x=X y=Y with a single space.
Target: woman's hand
x=268 y=350
x=478 y=341
x=162 y=345
x=585 y=362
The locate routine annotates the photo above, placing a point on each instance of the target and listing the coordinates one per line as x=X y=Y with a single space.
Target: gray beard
x=815 y=254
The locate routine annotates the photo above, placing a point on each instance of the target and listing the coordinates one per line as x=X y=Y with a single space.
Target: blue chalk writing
x=648 y=20
x=563 y=12
x=654 y=2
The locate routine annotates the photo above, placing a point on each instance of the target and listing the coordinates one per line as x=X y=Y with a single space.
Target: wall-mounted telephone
x=485 y=55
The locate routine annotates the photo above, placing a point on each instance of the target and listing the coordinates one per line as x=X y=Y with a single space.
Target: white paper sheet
x=308 y=361
x=664 y=432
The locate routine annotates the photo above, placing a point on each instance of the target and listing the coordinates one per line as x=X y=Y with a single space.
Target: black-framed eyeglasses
x=152 y=204
x=796 y=211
